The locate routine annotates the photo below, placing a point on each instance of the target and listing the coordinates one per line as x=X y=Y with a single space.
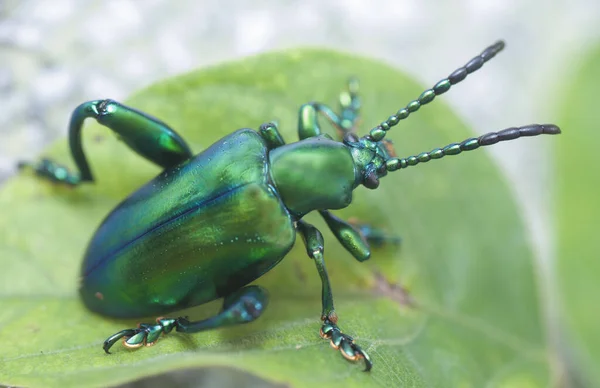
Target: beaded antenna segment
x=379 y=132
x=390 y=162
x=394 y=164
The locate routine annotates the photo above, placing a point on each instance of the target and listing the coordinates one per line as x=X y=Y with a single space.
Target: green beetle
x=210 y=224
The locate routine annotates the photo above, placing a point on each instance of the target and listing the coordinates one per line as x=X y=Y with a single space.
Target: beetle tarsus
x=110 y=341
x=344 y=343
x=145 y=334
x=52 y=171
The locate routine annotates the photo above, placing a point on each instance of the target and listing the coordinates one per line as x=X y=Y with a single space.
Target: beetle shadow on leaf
x=246 y=336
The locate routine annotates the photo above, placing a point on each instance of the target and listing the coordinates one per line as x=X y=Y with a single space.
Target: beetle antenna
x=394 y=164
x=379 y=132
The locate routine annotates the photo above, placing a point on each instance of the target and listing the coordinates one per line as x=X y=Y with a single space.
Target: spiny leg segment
x=243 y=306
x=313 y=239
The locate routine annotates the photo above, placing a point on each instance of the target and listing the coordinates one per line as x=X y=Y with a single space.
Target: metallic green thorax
x=210 y=224
x=319 y=173
x=314 y=174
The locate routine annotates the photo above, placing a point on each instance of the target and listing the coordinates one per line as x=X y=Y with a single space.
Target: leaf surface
x=464 y=260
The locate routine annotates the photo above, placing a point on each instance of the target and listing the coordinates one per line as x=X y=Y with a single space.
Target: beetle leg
x=146 y=135
x=110 y=341
x=313 y=239
x=243 y=306
x=344 y=343
x=144 y=334
x=54 y=172
x=375 y=236
x=270 y=133
x=353 y=234
x=357 y=237
x=346 y=122
x=348 y=235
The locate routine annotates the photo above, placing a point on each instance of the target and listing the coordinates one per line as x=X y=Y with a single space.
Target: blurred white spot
x=100 y=31
x=25 y=35
x=173 y=52
x=102 y=86
x=113 y=25
x=307 y=18
x=383 y=15
x=253 y=31
x=490 y=8
x=51 y=84
x=134 y=66
x=52 y=11
x=125 y=12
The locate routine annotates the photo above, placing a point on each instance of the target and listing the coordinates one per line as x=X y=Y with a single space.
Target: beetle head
x=370 y=158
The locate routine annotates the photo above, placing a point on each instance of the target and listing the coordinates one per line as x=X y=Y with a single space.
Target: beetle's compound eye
x=371 y=180
x=350 y=138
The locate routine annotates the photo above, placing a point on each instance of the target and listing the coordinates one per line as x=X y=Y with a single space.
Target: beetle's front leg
x=329 y=330
x=346 y=122
x=242 y=306
x=146 y=135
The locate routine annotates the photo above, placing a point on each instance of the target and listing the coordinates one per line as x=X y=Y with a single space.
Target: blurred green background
x=54 y=55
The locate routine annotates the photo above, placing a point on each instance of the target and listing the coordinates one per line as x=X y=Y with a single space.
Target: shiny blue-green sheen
x=313 y=174
x=197 y=232
x=146 y=135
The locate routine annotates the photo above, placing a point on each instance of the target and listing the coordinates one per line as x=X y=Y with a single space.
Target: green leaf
x=464 y=260
x=578 y=213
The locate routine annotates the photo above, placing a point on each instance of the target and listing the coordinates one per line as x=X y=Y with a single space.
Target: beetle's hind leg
x=146 y=135
x=54 y=172
x=243 y=306
x=329 y=329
